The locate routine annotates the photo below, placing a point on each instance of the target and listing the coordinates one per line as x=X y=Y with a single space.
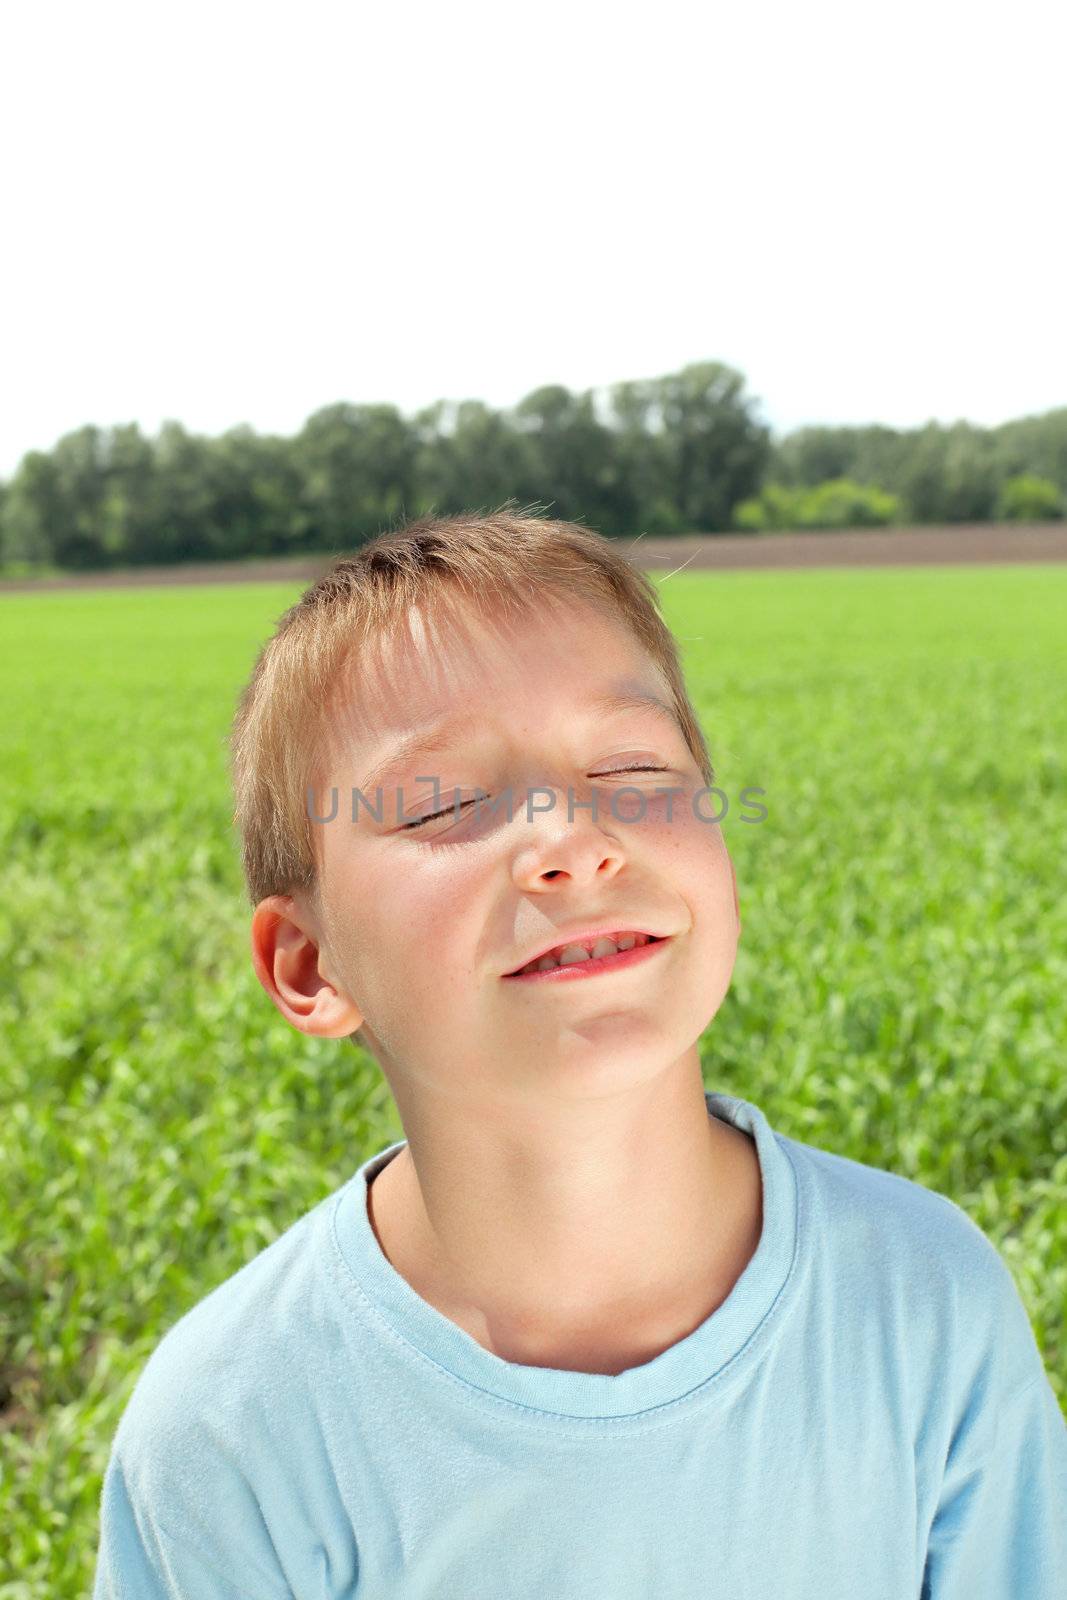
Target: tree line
x=684 y=453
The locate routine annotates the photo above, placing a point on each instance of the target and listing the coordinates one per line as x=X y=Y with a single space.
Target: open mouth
x=587 y=958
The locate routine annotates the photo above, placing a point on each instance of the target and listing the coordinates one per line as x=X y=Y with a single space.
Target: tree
x=572 y=462
x=182 y=528
x=663 y=455
x=838 y=503
x=468 y=456
x=33 y=511
x=813 y=455
x=644 y=467
x=949 y=474
x=55 y=506
x=714 y=448
x=356 y=466
x=1035 y=445
x=130 y=510
x=255 y=485
x=1027 y=498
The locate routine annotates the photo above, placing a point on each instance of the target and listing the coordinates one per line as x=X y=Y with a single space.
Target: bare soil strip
x=897 y=547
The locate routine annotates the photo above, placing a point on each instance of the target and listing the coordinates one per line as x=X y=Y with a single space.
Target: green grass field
x=898 y=997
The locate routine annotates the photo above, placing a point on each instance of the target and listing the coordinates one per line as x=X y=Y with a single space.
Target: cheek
x=422 y=917
x=685 y=826
x=695 y=852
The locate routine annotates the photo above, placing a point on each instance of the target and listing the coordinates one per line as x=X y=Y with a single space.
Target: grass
x=898 y=996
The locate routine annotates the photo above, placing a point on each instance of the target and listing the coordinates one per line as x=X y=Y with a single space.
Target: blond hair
x=282 y=730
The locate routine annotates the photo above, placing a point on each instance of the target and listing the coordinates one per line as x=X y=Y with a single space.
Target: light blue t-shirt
x=865 y=1417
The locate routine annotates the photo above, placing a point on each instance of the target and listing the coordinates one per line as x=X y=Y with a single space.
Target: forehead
x=436 y=664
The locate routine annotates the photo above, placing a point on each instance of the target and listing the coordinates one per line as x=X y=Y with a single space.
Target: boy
x=589 y=1332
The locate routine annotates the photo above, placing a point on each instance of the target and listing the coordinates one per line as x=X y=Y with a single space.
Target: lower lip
x=589 y=969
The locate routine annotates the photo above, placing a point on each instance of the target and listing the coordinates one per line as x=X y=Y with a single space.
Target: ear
x=290 y=966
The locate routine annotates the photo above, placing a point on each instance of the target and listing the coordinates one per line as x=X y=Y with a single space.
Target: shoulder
x=871 y=1205
x=211 y=1405
x=917 y=1261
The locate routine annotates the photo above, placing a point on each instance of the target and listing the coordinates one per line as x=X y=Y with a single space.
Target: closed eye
x=629 y=769
x=431 y=816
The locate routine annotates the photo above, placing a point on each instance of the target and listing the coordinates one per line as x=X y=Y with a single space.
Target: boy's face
x=418 y=927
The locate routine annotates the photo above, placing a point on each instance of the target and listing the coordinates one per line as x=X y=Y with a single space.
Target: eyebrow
x=443 y=736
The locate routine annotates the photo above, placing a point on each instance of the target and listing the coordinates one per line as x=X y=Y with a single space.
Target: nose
x=556 y=848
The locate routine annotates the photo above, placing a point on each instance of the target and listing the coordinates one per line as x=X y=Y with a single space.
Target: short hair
x=283 y=728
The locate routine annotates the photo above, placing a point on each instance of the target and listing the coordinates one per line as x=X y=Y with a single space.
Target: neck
x=590 y=1247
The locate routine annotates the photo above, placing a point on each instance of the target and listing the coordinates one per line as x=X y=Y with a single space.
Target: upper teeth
x=566 y=954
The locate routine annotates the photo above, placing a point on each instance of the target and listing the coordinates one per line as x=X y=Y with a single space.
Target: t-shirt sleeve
x=140 y=1558
x=1000 y=1527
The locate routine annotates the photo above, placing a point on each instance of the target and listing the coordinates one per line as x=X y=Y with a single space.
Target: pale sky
x=235 y=212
